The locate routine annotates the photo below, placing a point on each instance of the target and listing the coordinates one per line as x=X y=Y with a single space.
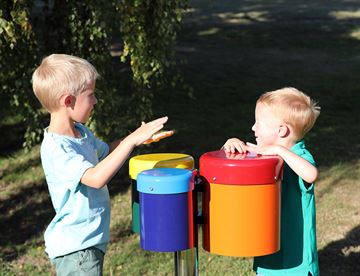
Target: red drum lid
x=219 y=167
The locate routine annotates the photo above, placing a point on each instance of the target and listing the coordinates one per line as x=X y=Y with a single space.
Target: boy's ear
x=283 y=131
x=66 y=100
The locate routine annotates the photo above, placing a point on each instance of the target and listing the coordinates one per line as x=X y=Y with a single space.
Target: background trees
x=145 y=30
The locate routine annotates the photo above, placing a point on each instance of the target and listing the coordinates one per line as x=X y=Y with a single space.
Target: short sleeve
x=69 y=166
x=306 y=187
x=101 y=147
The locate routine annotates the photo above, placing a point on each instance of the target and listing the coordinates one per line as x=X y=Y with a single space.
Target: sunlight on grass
x=355 y=34
x=22 y=168
x=337 y=201
x=210 y=31
x=348 y=15
x=345 y=15
x=244 y=17
x=190 y=10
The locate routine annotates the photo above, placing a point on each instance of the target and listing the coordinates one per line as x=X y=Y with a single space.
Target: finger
x=249 y=148
x=239 y=148
x=162 y=135
x=156 y=128
x=253 y=149
x=162 y=120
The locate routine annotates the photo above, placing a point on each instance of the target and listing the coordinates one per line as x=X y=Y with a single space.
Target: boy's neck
x=287 y=142
x=62 y=125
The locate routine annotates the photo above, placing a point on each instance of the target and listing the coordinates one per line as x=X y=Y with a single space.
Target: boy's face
x=84 y=104
x=266 y=127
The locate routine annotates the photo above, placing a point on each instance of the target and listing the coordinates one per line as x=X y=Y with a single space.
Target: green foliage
x=149 y=33
x=18 y=55
x=81 y=28
x=30 y=30
x=149 y=29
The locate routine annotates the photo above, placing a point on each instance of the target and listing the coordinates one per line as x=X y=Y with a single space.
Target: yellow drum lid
x=143 y=162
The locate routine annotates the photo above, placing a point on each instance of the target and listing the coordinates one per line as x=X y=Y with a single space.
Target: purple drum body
x=166 y=209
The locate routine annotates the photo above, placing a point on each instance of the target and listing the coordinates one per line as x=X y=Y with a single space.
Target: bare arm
x=114 y=144
x=99 y=176
x=299 y=165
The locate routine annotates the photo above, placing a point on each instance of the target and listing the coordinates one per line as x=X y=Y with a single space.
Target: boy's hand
x=233 y=144
x=159 y=135
x=235 y=156
x=146 y=131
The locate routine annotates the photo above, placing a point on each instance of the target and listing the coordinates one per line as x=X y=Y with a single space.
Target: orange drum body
x=241 y=203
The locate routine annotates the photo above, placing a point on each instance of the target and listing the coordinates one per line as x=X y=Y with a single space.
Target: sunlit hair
x=59 y=74
x=293 y=107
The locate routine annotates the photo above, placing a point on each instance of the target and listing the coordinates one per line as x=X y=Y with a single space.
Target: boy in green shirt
x=282 y=118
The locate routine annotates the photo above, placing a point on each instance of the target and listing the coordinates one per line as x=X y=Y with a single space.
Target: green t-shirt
x=298 y=251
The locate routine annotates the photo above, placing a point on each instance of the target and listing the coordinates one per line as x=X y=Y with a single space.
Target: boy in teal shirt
x=282 y=118
x=77 y=165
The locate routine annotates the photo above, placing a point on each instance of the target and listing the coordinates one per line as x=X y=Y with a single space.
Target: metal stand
x=186 y=262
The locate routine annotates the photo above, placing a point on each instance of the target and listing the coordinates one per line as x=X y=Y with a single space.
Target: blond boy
x=78 y=165
x=282 y=118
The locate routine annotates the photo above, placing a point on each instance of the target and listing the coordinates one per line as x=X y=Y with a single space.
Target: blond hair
x=293 y=107
x=59 y=74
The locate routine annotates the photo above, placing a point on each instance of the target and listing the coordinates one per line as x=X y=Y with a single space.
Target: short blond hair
x=293 y=107
x=59 y=74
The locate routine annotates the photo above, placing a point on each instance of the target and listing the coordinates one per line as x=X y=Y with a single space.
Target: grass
x=235 y=50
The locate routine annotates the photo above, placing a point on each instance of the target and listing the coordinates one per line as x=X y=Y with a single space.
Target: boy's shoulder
x=54 y=142
x=300 y=149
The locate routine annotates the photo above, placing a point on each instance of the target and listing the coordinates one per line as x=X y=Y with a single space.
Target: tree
x=85 y=28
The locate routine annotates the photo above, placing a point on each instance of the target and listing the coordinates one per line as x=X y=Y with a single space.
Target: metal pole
x=186 y=262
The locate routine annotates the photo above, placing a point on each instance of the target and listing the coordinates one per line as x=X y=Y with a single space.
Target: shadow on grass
x=22 y=217
x=119 y=234
x=342 y=257
x=20 y=167
x=26 y=214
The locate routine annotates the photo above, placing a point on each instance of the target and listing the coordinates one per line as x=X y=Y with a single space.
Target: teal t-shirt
x=298 y=250
x=82 y=216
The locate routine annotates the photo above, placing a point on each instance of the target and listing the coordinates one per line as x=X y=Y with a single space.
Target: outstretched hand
x=147 y=130
x=159 y=135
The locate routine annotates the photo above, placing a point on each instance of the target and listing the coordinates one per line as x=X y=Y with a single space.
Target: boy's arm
x=99 y=176
x=154 y=138
x=299 y=165
x=114 y=144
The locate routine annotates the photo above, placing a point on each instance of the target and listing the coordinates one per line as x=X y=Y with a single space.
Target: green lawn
x=234 y=51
